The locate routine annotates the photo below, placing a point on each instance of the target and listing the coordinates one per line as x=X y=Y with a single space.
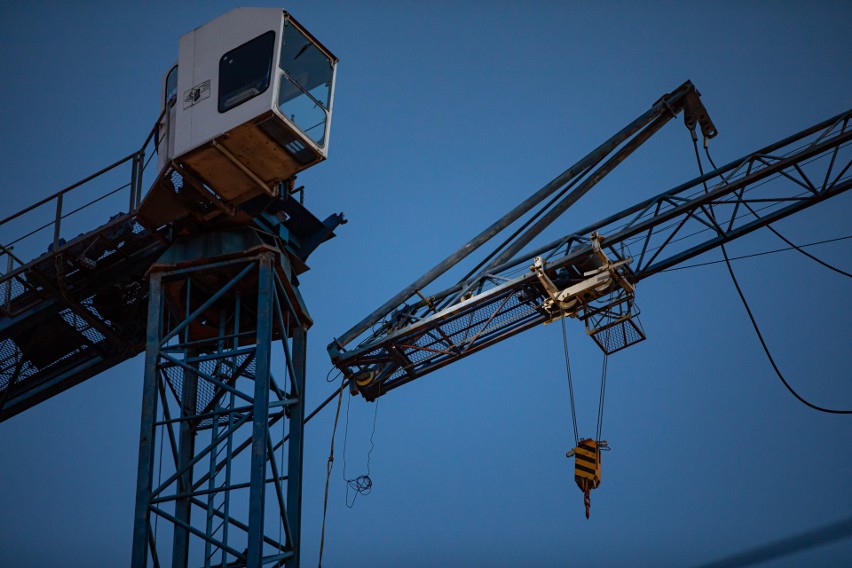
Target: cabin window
x=244 y=72
x=304 y=95
x=171 y=87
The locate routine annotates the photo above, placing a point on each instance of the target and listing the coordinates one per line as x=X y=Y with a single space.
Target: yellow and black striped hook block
x=587 y=466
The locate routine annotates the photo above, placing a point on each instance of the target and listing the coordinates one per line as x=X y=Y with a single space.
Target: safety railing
x=57 y=222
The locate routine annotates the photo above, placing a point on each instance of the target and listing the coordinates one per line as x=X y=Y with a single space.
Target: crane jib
x=660 y=232
x=625 y=142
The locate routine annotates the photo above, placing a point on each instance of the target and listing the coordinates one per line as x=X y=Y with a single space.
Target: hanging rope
x=570 y=381
x=328 y=474
x=362 y=484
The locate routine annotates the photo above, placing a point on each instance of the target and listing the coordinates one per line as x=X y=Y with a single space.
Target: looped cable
x=362 y=485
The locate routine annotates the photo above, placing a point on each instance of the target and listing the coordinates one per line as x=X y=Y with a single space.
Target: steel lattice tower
x=215 y=416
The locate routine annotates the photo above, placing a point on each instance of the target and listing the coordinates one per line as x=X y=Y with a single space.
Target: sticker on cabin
x=196 y=94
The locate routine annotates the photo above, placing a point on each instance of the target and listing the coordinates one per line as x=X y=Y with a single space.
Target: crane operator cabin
x=247 y=106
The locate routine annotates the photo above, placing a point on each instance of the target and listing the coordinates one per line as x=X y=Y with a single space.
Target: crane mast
x=590 y=274
x=201 y=273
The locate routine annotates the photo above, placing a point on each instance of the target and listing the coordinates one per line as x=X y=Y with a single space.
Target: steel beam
x=666 y=107
x=296 y=449
x=260 y=430
x=186 y=450
x=145 y=470
x=210 y=361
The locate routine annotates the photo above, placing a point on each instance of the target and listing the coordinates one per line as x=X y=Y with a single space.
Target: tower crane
x=200 y=271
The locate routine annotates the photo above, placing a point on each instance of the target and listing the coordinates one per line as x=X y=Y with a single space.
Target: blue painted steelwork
x=296 y=437
x=145 y=471
x=260 y=433
x=209 y=364
x=203 y=283
x=205 y=307
x=79 y=308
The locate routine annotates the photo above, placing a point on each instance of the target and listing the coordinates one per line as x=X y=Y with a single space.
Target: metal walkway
x=72 y=307
x=78 y=308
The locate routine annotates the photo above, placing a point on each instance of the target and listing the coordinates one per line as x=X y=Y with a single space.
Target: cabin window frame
x=260 y=84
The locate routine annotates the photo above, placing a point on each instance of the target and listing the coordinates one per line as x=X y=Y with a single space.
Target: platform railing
x=46 y=228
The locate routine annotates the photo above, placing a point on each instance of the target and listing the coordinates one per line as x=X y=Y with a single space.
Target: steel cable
x=766 y=349
x=570 y=381
x=756 y=254
x=776 y=233
x=599 y=429
x=751 y=315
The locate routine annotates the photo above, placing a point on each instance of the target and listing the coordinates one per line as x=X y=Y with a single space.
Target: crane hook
x=587 y=467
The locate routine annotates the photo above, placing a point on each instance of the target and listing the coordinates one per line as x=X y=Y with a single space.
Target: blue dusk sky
x=446 y=115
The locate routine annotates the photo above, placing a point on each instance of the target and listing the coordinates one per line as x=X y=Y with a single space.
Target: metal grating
x=73 y=265
x=222 y=368
x=70 y=312
x=464 y=330
x=619 y=336
x=454 y=337
x=614 y=323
